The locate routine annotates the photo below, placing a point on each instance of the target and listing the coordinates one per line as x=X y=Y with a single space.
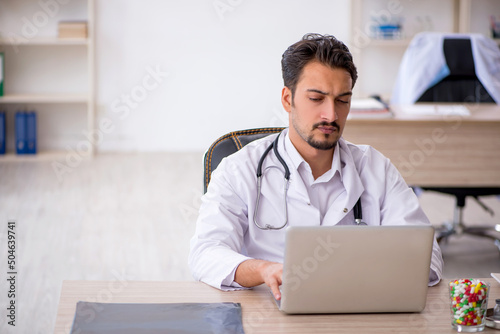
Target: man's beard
x=319 y=145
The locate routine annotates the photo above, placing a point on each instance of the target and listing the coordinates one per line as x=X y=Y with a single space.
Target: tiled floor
x=130 y=216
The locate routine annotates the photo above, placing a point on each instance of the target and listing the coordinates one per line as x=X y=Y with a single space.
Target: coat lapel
x=352 y=183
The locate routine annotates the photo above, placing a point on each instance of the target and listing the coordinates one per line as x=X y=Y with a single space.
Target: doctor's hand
x=255 y=272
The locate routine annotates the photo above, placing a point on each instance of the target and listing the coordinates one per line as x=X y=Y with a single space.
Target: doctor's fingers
x=275 y=289
x=273 y=277
x=272 y=271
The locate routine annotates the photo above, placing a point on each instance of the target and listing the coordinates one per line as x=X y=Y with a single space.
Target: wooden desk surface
x=260 y=314
x=437 y=150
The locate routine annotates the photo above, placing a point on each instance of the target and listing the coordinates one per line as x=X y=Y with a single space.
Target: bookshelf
x=52 y=76
x=44 y=98
x=378 y=59
x=44 y=41
x=47 y=155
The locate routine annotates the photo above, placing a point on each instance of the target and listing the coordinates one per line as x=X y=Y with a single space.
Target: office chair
x=229 y=144
x=462 y=85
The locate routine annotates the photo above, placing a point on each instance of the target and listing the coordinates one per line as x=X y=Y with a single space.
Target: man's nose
x=328 y=112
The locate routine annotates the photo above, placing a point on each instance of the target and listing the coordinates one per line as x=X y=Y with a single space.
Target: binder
x=2 y=132
x=31 y=132
x=21 y=147
x=2 y=61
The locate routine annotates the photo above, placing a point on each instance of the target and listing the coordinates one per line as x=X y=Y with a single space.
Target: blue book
x=21 y=146
x=31 y=132
x=2 y=66
x=2 y=132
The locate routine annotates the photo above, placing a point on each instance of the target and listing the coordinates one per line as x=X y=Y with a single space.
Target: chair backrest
x=462 y=84
x=229 y=144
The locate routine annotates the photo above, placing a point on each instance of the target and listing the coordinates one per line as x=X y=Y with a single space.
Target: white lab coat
x=424 y=64
x=226 y=235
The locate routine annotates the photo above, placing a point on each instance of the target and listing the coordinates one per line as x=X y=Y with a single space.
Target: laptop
x=356 y=269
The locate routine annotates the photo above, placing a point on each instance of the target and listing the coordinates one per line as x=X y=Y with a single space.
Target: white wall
x=223 y=64
x=223 y=67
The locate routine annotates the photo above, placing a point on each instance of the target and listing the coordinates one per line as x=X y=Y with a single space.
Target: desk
x=260 y=314
x=437 y=150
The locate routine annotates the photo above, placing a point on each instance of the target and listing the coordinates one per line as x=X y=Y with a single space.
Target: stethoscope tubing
x=357 y=210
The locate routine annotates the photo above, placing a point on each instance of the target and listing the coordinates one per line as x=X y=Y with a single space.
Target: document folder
x=31 y=132
x=2 y=75
x=21 y=147
x=130 y=318
x=2 y=132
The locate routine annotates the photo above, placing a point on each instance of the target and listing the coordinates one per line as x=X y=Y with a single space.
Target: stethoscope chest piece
x=358 y=213
x=359 y=222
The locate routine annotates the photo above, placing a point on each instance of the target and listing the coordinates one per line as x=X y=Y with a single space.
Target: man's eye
x=315 y=99
x=342 y=101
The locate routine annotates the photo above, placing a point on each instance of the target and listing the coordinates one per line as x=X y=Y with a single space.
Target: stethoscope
x=358 y=213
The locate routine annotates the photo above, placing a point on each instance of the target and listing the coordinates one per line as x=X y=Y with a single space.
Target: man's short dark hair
x=315 y=47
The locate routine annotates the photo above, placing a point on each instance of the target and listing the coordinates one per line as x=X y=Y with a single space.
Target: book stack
x=26 y=132
x=368 y=108
x=72 y=29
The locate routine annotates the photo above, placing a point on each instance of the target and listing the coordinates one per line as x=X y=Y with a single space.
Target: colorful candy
x=469 y=298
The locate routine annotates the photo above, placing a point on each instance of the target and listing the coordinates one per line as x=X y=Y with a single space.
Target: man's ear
x=286 y=99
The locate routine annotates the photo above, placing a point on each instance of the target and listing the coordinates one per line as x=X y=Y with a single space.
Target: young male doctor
x=327 y=177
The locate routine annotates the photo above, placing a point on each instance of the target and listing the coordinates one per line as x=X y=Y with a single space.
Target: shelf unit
x=56 y=95
x=44 y=98
x=44 y=41
x=378 y=60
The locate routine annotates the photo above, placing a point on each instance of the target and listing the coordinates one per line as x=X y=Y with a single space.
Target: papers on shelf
x=367 y=104
x=435 y=110
x=496 y=276
x=368 y=108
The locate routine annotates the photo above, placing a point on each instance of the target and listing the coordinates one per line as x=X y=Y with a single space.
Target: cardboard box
x=72 y=29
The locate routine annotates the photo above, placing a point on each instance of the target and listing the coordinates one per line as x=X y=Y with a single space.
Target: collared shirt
x=327 y=191
x=226 y=233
